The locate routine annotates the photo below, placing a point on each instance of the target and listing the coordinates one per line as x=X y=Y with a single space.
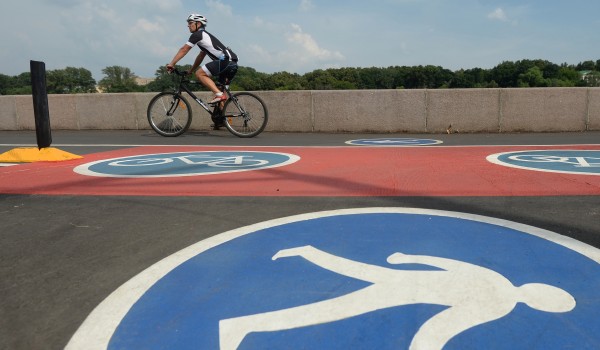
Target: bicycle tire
x=246 y=115
x=169 y=114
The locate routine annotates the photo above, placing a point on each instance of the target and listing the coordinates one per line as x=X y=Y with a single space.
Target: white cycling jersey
x=211 y=45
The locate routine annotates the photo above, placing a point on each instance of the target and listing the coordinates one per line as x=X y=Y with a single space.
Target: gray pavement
x=8 y=139
x=60 y=256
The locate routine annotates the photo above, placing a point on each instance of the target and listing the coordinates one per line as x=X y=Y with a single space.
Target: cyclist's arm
x=179 y=55
x=198 y=61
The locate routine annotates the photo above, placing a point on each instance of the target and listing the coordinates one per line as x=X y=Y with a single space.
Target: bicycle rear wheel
x=245 y=114
x=169 y=114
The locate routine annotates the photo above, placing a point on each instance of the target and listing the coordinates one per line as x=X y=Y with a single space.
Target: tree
x=351 y=76
x=550 y=70
x=375 y=78
x=532 y=78
x=249 y=79
x=428 y=77
x=399 y=75
x=586 y=65
x=285 y=81
x=477 y=77
x=523 y=73
x=470 y=78
x=164 y=80
x=461 y=80
x=567 y=76
x=324 y=80
x=6 y=83
x=70 y=81
x=505 y=74
x=118 y=79
x=20 y=85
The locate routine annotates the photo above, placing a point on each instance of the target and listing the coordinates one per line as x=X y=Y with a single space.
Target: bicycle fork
x=174 y=105
x=245 y=115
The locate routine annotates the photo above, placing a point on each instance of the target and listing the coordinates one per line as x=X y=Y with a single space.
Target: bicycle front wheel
x=245 y=114
x=169 y=114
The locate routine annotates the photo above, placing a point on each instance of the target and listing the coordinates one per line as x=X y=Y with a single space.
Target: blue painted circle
x=185 y=164
x=394 y=142
x=180 y=302
x=558 y=161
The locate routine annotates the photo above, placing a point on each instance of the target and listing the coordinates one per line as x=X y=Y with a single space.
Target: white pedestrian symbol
x=474 y=295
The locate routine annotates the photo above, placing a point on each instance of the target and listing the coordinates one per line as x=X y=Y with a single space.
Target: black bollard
x=40 y=104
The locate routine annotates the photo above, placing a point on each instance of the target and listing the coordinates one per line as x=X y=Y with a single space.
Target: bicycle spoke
x=162 y=102
x=169 y=114
x=245 y=115
x=171 y=125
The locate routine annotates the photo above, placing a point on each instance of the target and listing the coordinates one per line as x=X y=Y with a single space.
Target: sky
x=298 y=36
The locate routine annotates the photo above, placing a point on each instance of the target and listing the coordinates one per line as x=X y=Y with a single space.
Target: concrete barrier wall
x=382 y=111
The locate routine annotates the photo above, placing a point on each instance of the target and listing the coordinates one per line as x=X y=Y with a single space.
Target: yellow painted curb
x=30 y=155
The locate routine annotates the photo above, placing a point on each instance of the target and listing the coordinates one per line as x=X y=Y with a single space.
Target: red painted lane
x=321 y=171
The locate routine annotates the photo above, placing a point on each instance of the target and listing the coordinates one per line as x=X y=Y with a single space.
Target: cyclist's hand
x=170 y=68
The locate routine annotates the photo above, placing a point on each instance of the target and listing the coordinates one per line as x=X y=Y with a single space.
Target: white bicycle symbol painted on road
x=186 y=164
x=581 y=162
x=394 y=142
x=584 y=162
x=211 y=161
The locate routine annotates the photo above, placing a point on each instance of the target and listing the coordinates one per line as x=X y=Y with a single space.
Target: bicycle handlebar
x=178 y=72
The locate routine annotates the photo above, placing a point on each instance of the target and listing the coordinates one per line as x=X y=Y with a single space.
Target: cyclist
x=224 y=60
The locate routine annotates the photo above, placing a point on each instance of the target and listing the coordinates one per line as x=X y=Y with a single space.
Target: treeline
x=524 y=73
x=508 y=74
x=74 y=81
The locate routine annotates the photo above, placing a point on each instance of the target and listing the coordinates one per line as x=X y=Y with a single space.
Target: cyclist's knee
x=201 y=73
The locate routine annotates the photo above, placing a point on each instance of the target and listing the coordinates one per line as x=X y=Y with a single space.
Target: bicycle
x=243 y=113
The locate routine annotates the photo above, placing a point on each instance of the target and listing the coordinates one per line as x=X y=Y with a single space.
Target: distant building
x=591 y=77
x=143 y=81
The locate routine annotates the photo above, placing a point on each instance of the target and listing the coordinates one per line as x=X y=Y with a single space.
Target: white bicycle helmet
x=194 y=17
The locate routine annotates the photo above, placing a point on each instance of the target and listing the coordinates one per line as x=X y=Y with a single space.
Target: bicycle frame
x=183 y=87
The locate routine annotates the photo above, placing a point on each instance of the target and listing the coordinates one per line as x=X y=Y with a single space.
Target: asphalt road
x=61 y=255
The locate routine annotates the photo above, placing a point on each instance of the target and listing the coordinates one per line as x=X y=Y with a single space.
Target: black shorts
x=220 y=67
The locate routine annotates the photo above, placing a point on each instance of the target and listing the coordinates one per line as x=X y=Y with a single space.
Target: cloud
x=219 y=7
x=290 y=50
x=89 y=13
x=160 y=5
x=270 y=27
x=498 y=15
x=310 y=47
x=260 y=53
x=145 y=26
x=306 y=5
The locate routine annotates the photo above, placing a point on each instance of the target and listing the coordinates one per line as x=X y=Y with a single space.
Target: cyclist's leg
x=205 y=74
x=219 y=69
x=228 y=73
x=228 y=69
x=225 y=77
